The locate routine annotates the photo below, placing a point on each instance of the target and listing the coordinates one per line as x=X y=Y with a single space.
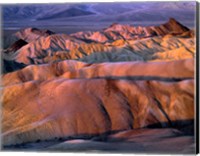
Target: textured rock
x=174 y=70
x=42 y=105
x=169 y=41
x=61 y=47
x=32 y=34
x=172 y=26
x=131 y=81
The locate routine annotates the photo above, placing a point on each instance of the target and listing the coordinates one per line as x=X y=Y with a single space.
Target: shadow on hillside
x=184 y=127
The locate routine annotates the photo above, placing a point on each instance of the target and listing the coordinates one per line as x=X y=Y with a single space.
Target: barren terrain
x=121 y=88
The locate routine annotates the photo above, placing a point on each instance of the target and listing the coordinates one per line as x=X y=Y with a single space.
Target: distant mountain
x=30 y=12
x=114 y=12
x=35 y=12
x=71 y=12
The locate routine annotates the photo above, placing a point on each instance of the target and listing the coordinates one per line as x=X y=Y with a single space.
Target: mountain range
x=122 y=87
x=142 y=12
x=118 y=42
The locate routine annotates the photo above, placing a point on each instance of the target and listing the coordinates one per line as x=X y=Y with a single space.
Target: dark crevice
x=106 y=115
x=163 y=111
x=115 y=90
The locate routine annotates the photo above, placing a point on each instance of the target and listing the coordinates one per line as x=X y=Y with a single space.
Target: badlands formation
x=124 y=86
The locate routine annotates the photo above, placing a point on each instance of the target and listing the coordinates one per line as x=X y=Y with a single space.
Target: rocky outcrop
x=41 y=101
x=62 y=47
x=172 y=26
x=32 y=34
x=169 y=41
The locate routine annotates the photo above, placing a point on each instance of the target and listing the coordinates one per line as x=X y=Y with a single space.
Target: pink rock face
x=32 y=34
x=55 y=105
x=169 y=41
x=171 y=26
x=182 y=69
